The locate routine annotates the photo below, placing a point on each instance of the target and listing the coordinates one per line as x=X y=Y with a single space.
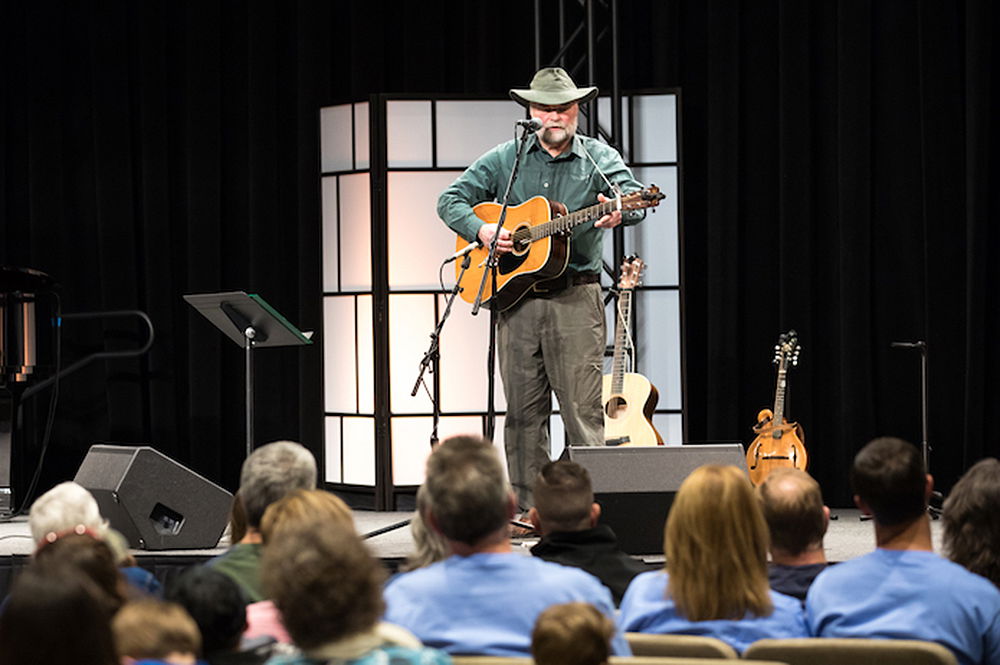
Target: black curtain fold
x=839 y=178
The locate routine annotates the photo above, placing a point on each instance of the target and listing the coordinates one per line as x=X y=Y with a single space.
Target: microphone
x=534 y=124
x=462 y=252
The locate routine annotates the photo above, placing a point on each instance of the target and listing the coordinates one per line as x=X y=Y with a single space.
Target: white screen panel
x=409 y=134
x=339 y=348
x=355 y=233
x=557 y=436
x=655 y=238
x=464 y=342
x=657 y=341
x=359 y=451
x=333 y=470
x=655 y=137
x=366 y=356
x=418 y=240
x=411 y=445
x=671 y=428
x=362 y=131
x=467 y=129
x=411 y=321
x=335 y=138
x=331 y=245
x=604 y=118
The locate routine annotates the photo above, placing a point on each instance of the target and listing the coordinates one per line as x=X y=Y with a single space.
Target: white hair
x=62 y=508
x=271 y=472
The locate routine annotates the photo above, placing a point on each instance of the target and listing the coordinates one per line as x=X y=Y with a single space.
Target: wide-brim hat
x=552 y=86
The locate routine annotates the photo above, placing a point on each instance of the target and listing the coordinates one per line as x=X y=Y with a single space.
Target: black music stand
x=251 y=323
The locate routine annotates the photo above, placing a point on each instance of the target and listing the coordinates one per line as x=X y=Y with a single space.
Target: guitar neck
x=621 y=341
x=573 y=219
x=779 y=395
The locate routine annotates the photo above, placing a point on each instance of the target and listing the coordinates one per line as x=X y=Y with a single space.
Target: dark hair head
x=324 y=582
x=888 y=474
x=215 y=602
x=971 y=527
x=88 y=555
x=793 y=508
x=468 y=492
x=563 y=496
x=572 y=634
x=56 y=603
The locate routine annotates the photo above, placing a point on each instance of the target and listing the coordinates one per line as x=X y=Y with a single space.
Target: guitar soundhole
x=615 y=407
x=521 y=236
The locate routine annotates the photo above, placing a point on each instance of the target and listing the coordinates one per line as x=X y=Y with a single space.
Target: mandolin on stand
x=778 y=443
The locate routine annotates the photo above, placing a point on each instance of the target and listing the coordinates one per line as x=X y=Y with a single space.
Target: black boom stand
x=936 y=498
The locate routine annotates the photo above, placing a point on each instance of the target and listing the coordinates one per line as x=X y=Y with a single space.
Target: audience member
x=483 y=599
x=237 y=519
x=902 y=589
x=82 y=551
x=56 y=617
x=566 y=516
x=154 y=631
x=972 y=520
x=797 y=521
x=715 y=544
x=428 y=545
x=268 y=474
x=329 y=591
x=218 y=606
x=69 y=505
x=572 y=634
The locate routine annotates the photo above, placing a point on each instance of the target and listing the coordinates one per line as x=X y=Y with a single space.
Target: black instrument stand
x=936 y=497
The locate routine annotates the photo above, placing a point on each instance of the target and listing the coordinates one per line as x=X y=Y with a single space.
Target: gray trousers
x=545 y=344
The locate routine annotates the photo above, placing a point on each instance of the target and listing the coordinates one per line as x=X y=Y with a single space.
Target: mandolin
x=778 y=443
x=629 y=399
x=541 y=244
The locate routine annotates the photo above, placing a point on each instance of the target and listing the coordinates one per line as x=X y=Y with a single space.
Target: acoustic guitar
x=778 y=443
x=541 y=245
x=629 y=399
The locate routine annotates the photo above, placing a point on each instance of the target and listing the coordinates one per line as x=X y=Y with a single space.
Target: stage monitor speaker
x=636 y=485
x=156 y=503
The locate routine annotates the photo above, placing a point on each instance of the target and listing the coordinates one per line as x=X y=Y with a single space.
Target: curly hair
x=271 y=472
x=325 y=583
x=971 y=528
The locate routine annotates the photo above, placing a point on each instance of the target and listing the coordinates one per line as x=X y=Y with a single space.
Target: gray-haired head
x=271 y=472
x=62 y=508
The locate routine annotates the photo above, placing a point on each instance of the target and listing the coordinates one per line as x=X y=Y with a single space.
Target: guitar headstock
x=786 y=351
x=647 y=197
x=632 y=268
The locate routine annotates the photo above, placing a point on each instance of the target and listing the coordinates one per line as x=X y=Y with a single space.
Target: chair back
x=679 y=646
x=843 y=651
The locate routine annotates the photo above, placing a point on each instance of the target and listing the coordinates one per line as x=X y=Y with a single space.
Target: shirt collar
x=575 y=147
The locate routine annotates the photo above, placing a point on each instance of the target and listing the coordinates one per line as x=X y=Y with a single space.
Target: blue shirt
x=647 y=609
x=908 y=595
x=487 y=603
x=396 y=655
x=569 y=178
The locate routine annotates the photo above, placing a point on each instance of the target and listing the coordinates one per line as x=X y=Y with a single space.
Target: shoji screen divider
x=384 y=162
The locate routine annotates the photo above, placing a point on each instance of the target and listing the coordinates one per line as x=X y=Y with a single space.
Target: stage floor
x=847 y=538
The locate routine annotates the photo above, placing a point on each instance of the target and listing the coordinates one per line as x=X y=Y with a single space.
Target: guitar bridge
x=617 y=441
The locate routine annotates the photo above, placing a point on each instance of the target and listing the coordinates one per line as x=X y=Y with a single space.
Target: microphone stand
x=433 y=354
x=925 y=448
x=491 y=273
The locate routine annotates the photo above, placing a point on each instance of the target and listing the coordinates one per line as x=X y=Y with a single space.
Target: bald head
x=794 y=510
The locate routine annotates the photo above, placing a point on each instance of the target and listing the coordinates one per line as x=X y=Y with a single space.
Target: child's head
x=572 y=634
x=153 y=629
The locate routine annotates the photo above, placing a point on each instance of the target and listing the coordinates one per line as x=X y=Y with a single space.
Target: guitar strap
x=614 y=188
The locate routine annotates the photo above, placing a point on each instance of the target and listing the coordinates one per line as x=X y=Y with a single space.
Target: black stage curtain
x=838 y=160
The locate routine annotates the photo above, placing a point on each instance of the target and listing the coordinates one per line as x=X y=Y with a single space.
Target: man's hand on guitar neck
x=608 y=221
x=504 y=244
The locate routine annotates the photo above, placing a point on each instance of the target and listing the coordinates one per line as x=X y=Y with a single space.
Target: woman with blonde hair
x=715 y=582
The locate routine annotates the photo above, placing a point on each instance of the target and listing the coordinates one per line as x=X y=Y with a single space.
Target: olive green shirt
x=569 y=178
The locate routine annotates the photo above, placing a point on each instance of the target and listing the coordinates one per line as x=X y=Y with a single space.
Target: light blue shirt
x=487 y=603
x=908 y=595
x=647 y=609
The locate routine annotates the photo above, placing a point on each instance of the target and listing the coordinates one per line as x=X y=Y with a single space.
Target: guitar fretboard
x=621 y=341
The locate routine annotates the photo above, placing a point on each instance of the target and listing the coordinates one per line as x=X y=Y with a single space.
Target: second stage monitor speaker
x=636 y=485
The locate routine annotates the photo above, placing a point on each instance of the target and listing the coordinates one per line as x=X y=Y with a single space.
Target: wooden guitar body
x=628 y=414
x=517 y=271
x=775 y=446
